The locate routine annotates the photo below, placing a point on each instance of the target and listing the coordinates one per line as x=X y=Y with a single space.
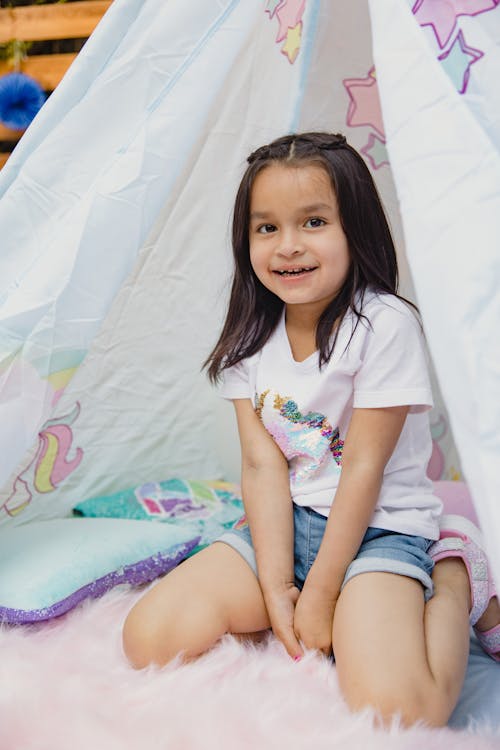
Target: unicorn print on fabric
x=308 y=441
x=437 y=468
x=49 y=466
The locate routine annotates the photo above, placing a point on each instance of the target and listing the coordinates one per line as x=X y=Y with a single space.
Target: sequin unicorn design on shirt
x=308 y=441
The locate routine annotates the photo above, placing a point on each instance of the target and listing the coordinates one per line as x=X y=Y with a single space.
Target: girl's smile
x=298 y=248
x=295 y=272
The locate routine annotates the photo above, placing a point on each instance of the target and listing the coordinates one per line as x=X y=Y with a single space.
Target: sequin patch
x=307 y=440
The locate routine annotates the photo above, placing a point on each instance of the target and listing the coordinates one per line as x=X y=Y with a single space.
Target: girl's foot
x=461 y=538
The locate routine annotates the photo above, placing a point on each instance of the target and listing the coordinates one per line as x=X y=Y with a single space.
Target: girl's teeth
x=292 y=273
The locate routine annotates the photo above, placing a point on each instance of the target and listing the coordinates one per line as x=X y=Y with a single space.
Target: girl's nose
x=290 y=245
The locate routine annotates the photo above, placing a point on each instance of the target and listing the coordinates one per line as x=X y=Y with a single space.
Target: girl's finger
x=290 y=642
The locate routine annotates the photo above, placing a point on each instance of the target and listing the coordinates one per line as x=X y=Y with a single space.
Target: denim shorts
x=381 y=551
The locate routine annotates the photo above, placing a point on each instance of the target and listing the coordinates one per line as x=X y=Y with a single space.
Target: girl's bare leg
x=210 y=594
x=396 y=653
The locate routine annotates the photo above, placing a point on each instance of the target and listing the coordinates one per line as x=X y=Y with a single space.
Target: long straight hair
x=253 y=311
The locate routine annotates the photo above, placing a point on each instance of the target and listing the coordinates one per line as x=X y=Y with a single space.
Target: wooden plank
x=6 y=134
x=33 y=23
x=46 y=69
x=3 y=159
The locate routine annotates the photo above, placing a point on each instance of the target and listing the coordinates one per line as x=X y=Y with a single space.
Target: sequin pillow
x=210 y=507
x=48 y=567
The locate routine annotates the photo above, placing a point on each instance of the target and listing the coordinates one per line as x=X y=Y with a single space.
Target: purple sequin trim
x=135 y=574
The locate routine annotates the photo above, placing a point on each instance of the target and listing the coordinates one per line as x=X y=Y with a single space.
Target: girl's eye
x=266 y=229
x=314 y=222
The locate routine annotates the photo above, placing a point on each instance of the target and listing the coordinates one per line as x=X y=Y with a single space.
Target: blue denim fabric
x=380 y=551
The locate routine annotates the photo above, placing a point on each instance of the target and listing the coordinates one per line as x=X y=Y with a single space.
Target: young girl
x=326 y=368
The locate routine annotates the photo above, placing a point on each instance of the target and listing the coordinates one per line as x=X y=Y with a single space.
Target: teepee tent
x=114 y=269
x=115 y=215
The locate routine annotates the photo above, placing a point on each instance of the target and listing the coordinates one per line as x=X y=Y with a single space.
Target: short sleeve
x=393 y=370
x=238 y=380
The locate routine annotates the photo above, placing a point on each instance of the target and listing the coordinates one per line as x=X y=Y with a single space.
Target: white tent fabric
x=443 y=135
x=114 y=219
x=145 y=130
x=97 y=166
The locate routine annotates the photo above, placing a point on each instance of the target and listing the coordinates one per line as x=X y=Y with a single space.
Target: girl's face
x=298 y=248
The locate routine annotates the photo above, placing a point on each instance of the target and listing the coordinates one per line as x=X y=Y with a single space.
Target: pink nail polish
x=297 y=658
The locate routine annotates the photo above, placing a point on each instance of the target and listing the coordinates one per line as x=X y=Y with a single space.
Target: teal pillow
x=48 y=567
x=209 y=507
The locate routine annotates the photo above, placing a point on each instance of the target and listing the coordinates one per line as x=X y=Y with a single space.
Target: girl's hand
x=280 y=606
x=313 y=622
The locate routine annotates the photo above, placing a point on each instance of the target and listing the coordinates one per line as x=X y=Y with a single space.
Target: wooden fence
x=34 y=23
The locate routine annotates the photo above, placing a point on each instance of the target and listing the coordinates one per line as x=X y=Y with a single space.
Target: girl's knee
x=409 y=704
x=140 y=641
x=186 y=629
x=414 y=707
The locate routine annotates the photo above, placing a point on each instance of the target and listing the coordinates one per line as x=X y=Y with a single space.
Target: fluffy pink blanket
x=66 y=685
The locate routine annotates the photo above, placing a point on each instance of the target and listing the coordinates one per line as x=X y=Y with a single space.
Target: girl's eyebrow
x=314 y=207
x=310 y=209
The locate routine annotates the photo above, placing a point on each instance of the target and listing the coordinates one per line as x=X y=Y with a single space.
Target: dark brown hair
x=254 y=311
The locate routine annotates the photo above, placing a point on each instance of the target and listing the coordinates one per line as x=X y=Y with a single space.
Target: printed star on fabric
x=272 y=5
x=457 y=62
x=364 y=107
x=292 y=45
x=375 y=151
x=442 y=14
x=289 y=15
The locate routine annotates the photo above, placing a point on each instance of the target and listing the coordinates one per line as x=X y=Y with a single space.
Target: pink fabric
x=456 y=499
x=65 y=684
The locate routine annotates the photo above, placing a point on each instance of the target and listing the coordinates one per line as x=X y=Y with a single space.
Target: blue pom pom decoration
x=21 y=97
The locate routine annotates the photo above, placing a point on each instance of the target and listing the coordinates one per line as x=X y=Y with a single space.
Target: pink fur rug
x=65 y=684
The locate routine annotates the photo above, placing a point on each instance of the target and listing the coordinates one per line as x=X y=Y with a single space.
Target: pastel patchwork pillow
x=48 y=567
x=210 y=507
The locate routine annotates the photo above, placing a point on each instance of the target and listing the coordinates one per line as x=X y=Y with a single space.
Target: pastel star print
x=364 y=107
x=442 y=14
x=457 y=62
x=292 y=45
x=289 y=15
x=272 y=5
x=375 y=151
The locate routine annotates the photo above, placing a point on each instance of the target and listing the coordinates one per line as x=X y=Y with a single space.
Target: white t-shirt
x=307 y=410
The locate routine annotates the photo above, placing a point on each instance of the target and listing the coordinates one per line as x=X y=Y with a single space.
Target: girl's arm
x=370 y=442
x=268 y=505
